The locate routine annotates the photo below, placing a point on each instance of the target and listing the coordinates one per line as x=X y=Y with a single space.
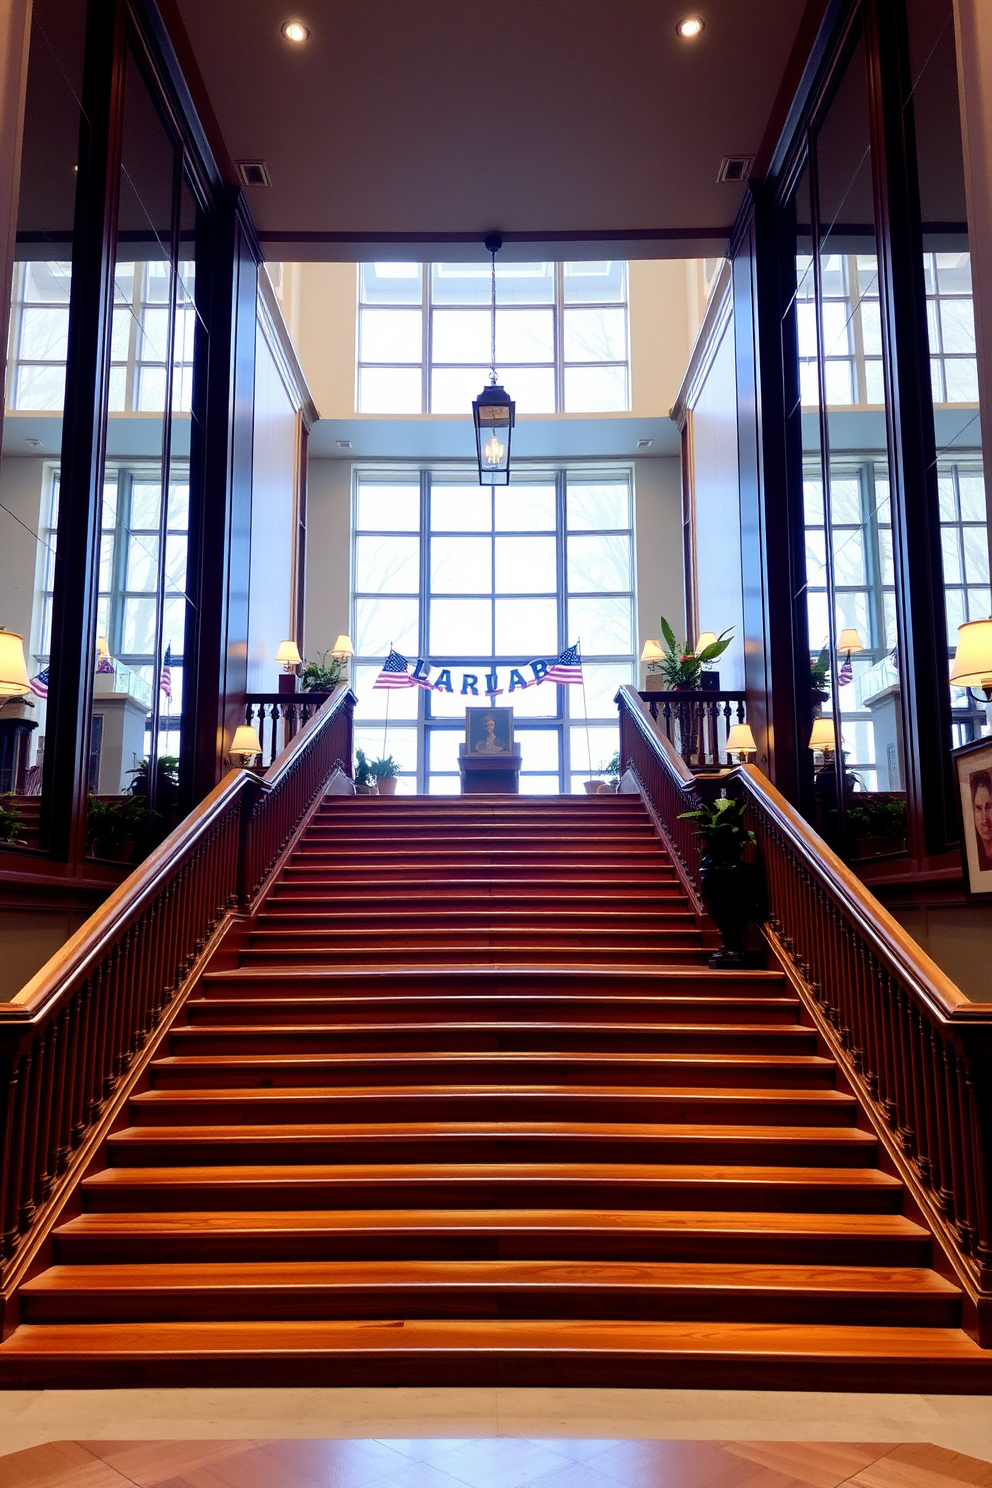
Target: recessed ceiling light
x=645 y=443
x=295 y=31
x=35 y=443
x=690 y=27
x=343 y=443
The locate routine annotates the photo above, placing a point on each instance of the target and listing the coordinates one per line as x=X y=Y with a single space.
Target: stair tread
x=496 y=1130
x=489 y=1273
x=450 y=1335
x=515 y=972
x=777 y=1095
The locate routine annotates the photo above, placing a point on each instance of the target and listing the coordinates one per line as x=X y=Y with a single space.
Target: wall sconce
x=13 y=670
x=289 y=655
x=849 y=642
x=740 y=741
x=652 y=653
x=246 y=745
x=823 y=736
x=972 y=666
x=342 y=649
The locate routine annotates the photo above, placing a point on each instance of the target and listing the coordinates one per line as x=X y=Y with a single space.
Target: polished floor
x=500 y=1462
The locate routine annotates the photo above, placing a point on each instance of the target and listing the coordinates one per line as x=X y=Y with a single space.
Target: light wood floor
x=501 y=1462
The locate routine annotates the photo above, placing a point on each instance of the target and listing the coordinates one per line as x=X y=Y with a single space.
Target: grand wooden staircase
x=463 y=1104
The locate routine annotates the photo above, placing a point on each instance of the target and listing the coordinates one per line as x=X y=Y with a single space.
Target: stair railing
x=916 y=1050
x=74 y=1036
x=697 y=722
x=278 y=716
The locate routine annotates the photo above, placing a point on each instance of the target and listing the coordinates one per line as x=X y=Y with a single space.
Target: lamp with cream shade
x=652 y=653
x=972 y=665
x=342 y=648
x=289 y=654
x=708 y=638
x=740 y=741
x=13 y=670
x=246 y=745
x=823 y=736
x=849 y=641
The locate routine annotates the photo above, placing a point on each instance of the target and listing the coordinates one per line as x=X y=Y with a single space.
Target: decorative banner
x=566 y=668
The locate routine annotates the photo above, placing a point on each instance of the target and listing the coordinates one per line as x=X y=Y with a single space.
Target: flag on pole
x=846 y=673
x=166 y=679
x=394 y=672
x=567 y=668
x=39 y=684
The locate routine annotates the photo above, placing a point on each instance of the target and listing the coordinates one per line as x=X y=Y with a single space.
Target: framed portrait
x=488 y=730
x=973 y=767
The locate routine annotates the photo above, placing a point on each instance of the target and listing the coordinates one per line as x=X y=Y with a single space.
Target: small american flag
x=166 y=679
x=105 y=666
x=846 y=673
x=39 y=684
x=568 y=667
x=394 y=672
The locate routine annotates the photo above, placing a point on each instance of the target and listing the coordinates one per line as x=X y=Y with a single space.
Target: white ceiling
x=409 y=121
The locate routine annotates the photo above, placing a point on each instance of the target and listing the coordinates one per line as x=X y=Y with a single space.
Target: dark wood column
x=67 y=742
x=922 y=629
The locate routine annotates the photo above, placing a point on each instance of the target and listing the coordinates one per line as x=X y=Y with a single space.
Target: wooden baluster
x=971 y=1157
x=29 y=1172
x=904 y=1071
x=13 y=1149
x=930 y=1052
x=97 y=1048
x=44 y=1167
x=955 y=1138
x=980 y=1130
x=84 y=1032
x=920 y=1133
x=60 y=1153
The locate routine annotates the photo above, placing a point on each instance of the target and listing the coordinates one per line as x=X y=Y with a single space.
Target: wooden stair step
x=498 y=1185
x=455 y=1351
x=290 y=1290
x=677 y=1236
x=463 y=1141
x=402 y=954
x=571 y=919
x=492 y=1102
x=700 y=982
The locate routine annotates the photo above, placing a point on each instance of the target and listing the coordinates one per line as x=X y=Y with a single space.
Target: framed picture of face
x=973 y=765
x=488 y=730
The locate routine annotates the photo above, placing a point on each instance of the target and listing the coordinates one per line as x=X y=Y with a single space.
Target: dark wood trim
x=920 y=615
x=63 y=810
x=276 y=333
x=716 y=317
x=164 y=37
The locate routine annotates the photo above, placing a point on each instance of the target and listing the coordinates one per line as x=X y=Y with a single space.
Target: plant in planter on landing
x=730 y=887
x=114 y=827
x=681 y=667
x=364 y=780
x=877 y=826
x=11 y=825
x=384 y=773
x=321 y=676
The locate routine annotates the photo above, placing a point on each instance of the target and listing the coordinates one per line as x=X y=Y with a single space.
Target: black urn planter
x=732 y=893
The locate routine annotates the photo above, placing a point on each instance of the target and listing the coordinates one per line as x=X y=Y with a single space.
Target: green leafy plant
x=383 y=769
x=612 y=767
x=819 y=671
x=168 y=769
x=681 y=667
x=322 y=676
x=878 y=819
x=363 y=771
x=720 y=828
x=111 y=824
x=11 y=824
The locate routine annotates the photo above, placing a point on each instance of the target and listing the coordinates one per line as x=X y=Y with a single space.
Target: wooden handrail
x=916 y=1050
x=69 y=1038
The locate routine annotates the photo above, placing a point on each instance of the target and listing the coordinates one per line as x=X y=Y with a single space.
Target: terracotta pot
x=387 y=785
x=591 y=787
x=606 y=789
x=364 y=790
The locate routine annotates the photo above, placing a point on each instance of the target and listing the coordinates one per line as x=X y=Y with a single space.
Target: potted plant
x=878 y=827
x=819 y=670
x=321 y=676
x=363 y=775
x=11 y=824
x=113 y=827
x=612 y=772
x=730 y=887
x=681 y=670
x=384 y=773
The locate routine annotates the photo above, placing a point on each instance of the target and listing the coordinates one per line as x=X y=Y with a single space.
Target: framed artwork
x=488 y=730
x=973 y=767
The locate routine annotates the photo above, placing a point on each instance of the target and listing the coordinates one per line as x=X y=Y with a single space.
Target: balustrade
x=279 y=716
x=71 y=1036
x=915 y=1048
x=697 y=722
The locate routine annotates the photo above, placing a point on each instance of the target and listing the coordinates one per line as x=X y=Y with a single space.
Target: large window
x=424 y=336
x=473 y=578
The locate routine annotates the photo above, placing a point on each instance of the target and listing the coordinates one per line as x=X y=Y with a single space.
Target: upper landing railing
x=696 y=723
x=914 y=1047
x=69 y=1038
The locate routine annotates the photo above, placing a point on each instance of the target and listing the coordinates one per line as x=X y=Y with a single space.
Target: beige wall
x=328 y=554
x=319 y=302
x=658 y=546
x=21 y=481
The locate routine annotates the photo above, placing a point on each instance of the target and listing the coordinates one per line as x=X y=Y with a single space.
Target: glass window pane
x=454 y=389
x=976 y=555
x=142 y=563
x=602 y=624
x=599 y=562
x=460 y=508
x=594 y=283
x=471 y=283
x=461 y=627
x=389 y=389
x=957 y=325
x=391 y=336
x=151 y=390
x=44 y=335
x=391 y=283
x=602 y=683
x=595 y=335
x=525 y=336
x=139 y=626
x=596 y=390
x=532 y=702
x=538 y=748
x=444 y=785
x=532 y=388
x=972 y=488
x=145 y=503
x=527 y=627
x=106 y=562
x=845 y=499
x=462 y=565
x=813 y=500
x=945 y=498
x=444 y=748
x=41 y=388
x=526 y=565
x=539 y=785
x=389 y=508
x=175 y=562
x=387 y=565
x=839 y=383
x=953 y=273
x=950 y=542
x=47 y=282
x=961 y=375
x=381 y=622
x=525 y=508
x=174 y=624
x=461 y=336
x=178 y=509
x=597 y=507
x=400 y=742
x=849 y=557
x=451 y=704
x=372 y=701
x=598 y=743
